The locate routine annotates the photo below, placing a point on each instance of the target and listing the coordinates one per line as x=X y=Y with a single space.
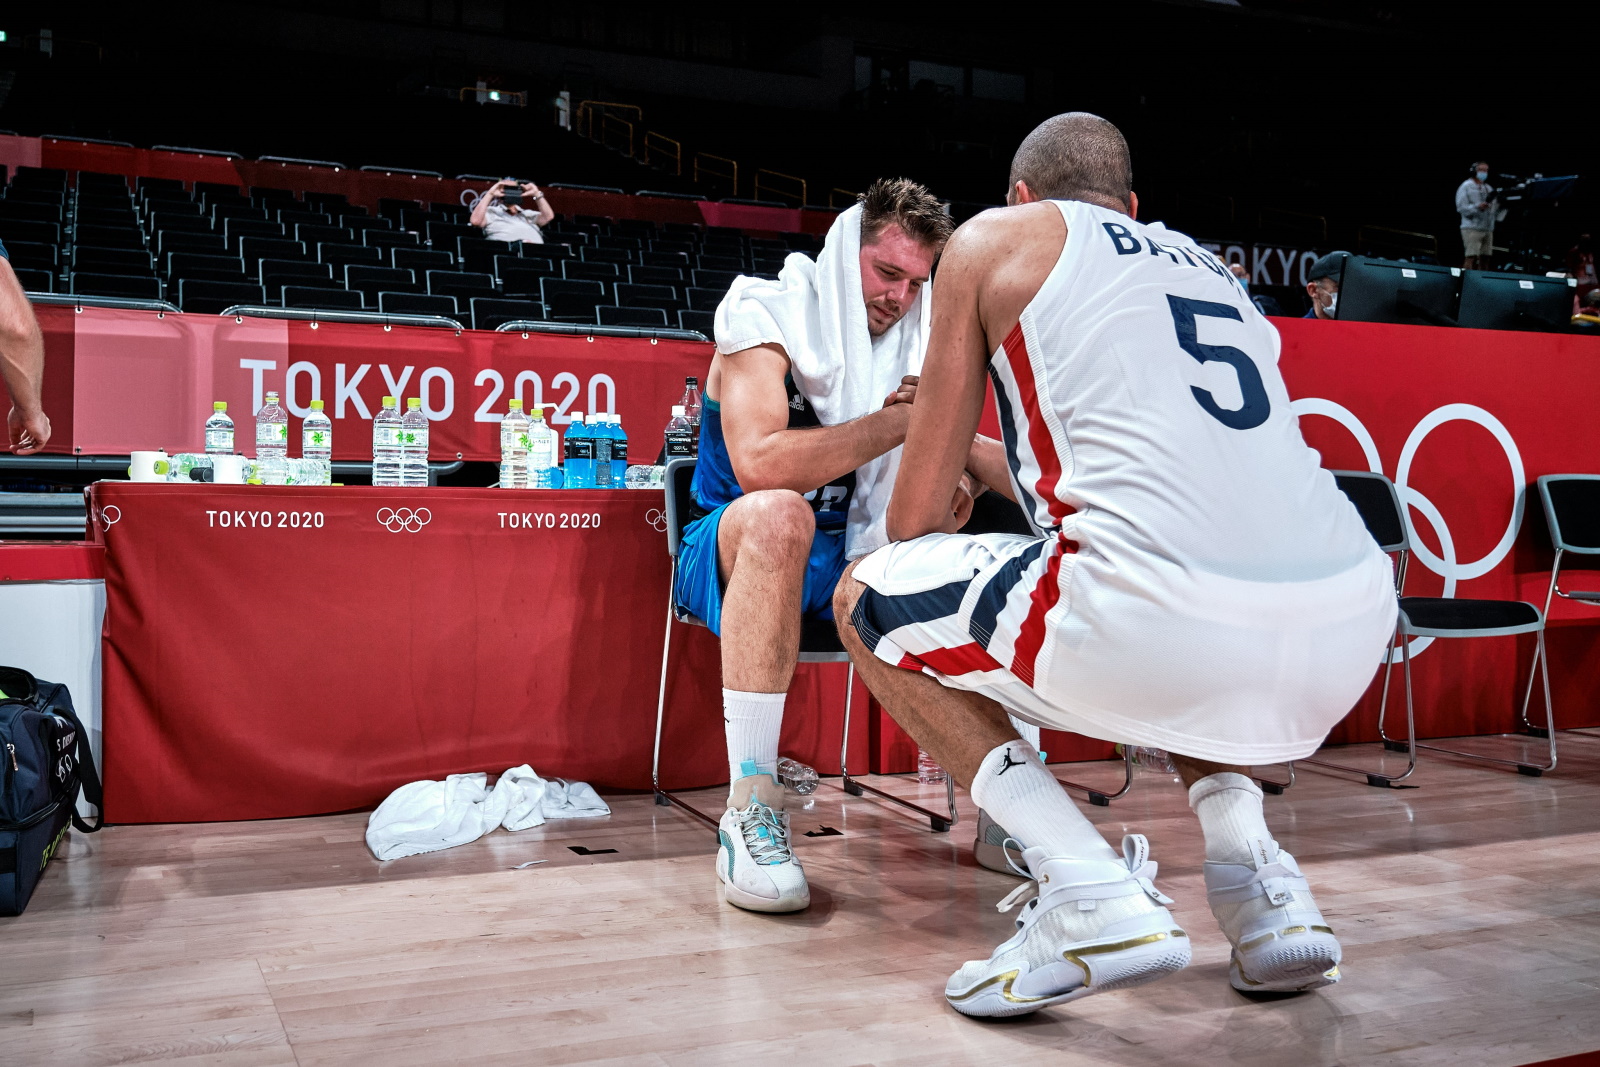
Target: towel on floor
x=428 y=816
x=815 y=310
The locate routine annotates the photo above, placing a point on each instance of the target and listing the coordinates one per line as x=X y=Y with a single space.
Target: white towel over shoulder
x=816 y=311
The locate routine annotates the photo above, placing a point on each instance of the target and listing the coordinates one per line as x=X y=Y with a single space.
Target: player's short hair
x=1075 y=156
x=908 y=205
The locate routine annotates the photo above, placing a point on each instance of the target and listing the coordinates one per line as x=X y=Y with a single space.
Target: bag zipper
x=33 y=820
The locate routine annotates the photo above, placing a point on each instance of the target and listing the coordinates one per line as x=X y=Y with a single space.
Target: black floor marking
x=580 y=850
x=824 y=831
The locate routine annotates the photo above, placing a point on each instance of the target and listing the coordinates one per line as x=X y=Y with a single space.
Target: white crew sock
x=1027 y=731
x=1229 y=807
x=1014 y=787
x=752 y=724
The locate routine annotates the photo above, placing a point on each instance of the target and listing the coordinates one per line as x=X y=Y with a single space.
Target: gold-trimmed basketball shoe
x=755 y=864
x=1096 y=925
x=1281 y=942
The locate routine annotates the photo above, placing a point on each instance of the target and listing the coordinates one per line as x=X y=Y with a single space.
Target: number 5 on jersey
x=1256 y=407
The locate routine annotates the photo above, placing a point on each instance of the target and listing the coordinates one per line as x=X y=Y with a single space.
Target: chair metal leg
x=940 y=823
x=1099 y=798
x=1533 y=770
x=664 y=798
x=1377 y=778
x=1275 y=787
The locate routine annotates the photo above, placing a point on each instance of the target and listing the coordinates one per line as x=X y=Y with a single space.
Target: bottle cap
x=272 y=396
x=692 y=380
x=677 y=411
x=516 y=404
x=219 y=405
x=577 y=417
x=388 y=401
x=414 y=403
x=316 y=405
x=537 y=412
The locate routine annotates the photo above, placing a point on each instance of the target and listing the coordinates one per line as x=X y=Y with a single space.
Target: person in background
x=1322 y=285
x=1264 y=304
x=512 y=211
x=1587 y=317
x=1475 y=201
x=1580 y=265
x=21 y=364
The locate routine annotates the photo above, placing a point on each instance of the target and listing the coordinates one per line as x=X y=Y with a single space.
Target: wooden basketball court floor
x=1469 y=909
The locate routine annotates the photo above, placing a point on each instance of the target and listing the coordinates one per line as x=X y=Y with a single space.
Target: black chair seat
x=1448 y=613
x=819 y=637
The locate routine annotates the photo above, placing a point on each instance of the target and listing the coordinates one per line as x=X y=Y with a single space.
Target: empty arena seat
x=208 y=296
x=184 y=241
x=664 y=297
x=443 y=234
x=32 y=254
x=477 y=253
x=104 y=216
x=111 y=260
x=700 y=299
x=242 y=210
x=591 y=254
x=340 y=255
x=201 y=265
x=109 y=236
x=630 y=244
x=390 y=239
x=389 y=207
x=364 y=222
x=630 y=316
x=704 y=321
x=420 y=259
x=34 y=280
x=254 y=249
x=277 y=273
x=674 y=244
x=314 y=234
x=461 y=284
x=163 y=220
x=714 y=262
x=332 y=203
x=22 y=210
x=646 y=275
x=371 y=281
x=523 y=278
x=571 y=301
x=719 y=280
x=490 y=312
x=297 y=215
x=416 y=304
x=92 y=284
x=236 y=230
x=679 y=260
x=319 y=298
x=599 y=272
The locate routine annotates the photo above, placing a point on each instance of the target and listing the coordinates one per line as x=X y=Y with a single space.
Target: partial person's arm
x=480 y=210
x=532 y=193
x=987 y=463
x=22 y=366
x=941 y=440
x=766 y=454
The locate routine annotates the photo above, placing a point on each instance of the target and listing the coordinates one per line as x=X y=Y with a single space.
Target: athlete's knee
x=845 y=595
x=777 y=522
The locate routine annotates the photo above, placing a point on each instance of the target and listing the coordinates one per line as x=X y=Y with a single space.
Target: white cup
x=228 y=470
x=148 y=466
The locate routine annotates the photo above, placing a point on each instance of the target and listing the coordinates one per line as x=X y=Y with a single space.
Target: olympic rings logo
x=108 y=516
x=411 y=521
x=1444 y=564
x=657 y=519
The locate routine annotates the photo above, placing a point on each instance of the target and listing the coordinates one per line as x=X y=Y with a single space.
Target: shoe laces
x=766 y=834
x=1135 y=855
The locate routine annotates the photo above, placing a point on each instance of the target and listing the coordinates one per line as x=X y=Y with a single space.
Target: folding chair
x=1572 y=511
x=1443 y=617
x=819 y=643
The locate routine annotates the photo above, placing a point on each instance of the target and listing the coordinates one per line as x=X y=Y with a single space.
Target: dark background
x=1280 y=121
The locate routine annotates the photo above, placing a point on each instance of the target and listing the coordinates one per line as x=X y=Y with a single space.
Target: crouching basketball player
x=776 y=489
x=1196 y=582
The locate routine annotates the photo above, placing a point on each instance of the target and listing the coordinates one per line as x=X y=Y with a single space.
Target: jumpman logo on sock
x=1009 y=763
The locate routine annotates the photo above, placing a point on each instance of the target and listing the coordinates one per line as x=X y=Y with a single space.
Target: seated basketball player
x=1196 y=582
x=797 y=453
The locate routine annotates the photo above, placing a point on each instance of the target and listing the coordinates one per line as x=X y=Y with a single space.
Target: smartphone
x=512 y=196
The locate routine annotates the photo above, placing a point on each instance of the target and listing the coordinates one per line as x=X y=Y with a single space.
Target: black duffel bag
x=46 y=761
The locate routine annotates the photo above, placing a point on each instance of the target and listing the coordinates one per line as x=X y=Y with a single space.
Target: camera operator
x=1475 y=201
x=512 y=211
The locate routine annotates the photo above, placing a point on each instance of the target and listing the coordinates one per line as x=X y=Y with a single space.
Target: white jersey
x=1199 y=582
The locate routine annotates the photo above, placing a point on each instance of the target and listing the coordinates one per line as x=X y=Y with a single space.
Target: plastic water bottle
x=680 y=435
x=542 y=452
x=316 y=435
x=1154 y=758
x=928 y=771
x=514 y=448
x=619 y=453
x=414 y=445
x=691 y=403
x=219 y=431
x=604 y=471
x=579 y=458
x=386 y=444
x=797 y=776
x=272 y=430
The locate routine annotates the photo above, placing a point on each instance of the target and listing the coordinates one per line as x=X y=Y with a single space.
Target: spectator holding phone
x=512 y=211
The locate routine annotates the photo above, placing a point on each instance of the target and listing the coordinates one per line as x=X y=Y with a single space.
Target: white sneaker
x=1097 y=925
x=991 y=850
x=1281 y=942
x=757 y=868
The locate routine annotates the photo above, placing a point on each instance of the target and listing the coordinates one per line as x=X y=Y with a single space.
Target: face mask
x=1483 y=175
x=1244 y=283
x=1332 y=305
